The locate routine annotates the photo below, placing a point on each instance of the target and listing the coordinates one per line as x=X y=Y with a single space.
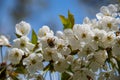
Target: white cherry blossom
x=83 y=32
x=33 y=62
x=44 y=31
x=52 y=54
x=97 y=59
x=86 y=50
x=23 y=28
x=23 y=43
x=109 y=23
x=108 y=75
x=49 y=41
x=97 y=38
x=83 y=74
x=15 y=55
x=109 y=39
x=110 y=10
x=61 y=66
x=72 y=39
x=62 y=47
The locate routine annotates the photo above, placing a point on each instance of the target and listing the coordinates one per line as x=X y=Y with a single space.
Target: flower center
x=109 y=25
x=96 y=38
x=33 y=61
x=51 y=42
x=16 y=54
x=60 y=46
x=49 y=53
x=88 y=51
x=59 y=63
x=22 y=31
x=84 y=35
x=107 y=75
x=109 y=38
x=22 y=44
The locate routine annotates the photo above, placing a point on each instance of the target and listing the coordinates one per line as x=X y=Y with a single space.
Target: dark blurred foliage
x=94 y=5
x=23 y=9
x=19 y=11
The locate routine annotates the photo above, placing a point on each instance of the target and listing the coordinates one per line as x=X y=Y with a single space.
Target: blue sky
x=43 y=16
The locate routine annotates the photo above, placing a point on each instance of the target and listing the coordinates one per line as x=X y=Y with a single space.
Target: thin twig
x=50 y=75
x=59 y=76
x=45 y=74
x=1 y=53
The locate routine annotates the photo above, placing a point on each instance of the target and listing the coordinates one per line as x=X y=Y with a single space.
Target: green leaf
x=63 y=19
x=71 y=18
x=68 y=23
x=34 y=37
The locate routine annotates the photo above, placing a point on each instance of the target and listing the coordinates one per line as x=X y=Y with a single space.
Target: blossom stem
x=59 y=78
x=54 y=77
x=45 y=74
x=1 y=53
x=50 y=75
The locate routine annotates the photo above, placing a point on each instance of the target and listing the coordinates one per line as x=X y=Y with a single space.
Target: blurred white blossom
x=4 y=41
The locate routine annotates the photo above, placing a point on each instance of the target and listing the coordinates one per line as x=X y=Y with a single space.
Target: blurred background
x=45 y=12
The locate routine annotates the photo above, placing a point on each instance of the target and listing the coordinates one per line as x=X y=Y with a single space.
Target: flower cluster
x=88 y=51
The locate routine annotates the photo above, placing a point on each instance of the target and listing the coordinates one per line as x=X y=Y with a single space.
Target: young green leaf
x=34 y=37
x=71 y=18
x=63 y=19
x=68 y=23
